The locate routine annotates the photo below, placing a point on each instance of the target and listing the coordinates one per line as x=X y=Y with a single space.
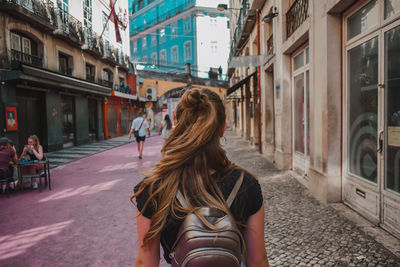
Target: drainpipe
x=259 y=82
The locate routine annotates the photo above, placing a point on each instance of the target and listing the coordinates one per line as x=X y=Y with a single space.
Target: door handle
x=380 y=142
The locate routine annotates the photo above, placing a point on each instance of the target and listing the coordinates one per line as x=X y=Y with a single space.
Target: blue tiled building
x=166 y=34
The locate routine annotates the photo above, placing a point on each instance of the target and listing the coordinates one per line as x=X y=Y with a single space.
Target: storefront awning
x=240 y=84
x=55 y=79
x=123 y=95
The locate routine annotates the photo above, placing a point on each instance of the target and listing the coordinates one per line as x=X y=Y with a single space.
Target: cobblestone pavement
x=299 y=230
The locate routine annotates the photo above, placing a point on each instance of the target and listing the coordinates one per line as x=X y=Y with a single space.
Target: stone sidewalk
x=301 y=231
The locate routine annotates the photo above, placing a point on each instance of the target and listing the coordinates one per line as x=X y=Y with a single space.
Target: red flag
x=114 y=18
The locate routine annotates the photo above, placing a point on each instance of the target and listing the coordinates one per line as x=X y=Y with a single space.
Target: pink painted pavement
x=85 y=220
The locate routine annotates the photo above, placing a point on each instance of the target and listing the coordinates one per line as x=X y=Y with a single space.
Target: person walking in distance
x=194 y=187
x=165 y=127
x=139 y=128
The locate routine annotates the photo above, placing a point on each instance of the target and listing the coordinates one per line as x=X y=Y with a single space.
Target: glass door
x=363 y=110
x=372 y=113
x=391 y=149
x=68 y=120
x=301 y=111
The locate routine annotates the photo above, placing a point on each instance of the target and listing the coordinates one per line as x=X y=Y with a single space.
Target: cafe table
x=41 y=173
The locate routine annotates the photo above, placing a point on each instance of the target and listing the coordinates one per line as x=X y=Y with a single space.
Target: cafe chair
x=41 y=174
x=6 y=179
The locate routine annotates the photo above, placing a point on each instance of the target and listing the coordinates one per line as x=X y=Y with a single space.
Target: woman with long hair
x=32 y=151
x=194 y=163
x=165 y=127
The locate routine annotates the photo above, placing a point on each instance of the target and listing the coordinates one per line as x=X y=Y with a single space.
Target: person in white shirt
x=140 y=124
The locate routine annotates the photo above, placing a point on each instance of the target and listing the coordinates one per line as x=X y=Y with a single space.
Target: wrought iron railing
x=69 y=24
x=89 y=77
x=43 y=9
x=92 y=41
x=270 y=45
x=171 y=13
x=20 y=57
x=106 y=83
x=63 y=70
x=239 y=26
x=296 y=15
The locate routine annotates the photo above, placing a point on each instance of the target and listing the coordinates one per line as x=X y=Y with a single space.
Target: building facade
x=323 y=98
x=58 y=66
x=167 y=34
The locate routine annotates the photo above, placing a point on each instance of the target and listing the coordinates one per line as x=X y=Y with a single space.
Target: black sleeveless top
x=247 y=202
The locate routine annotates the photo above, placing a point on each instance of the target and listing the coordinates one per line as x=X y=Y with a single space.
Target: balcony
x=65 y=71
x=20 y=57
x=106 y=83
x=296 y=15
x=160 y=18
x=68 y=26
x=89 y=77
x=244 y=25
x=39 y=13
x=92 y=42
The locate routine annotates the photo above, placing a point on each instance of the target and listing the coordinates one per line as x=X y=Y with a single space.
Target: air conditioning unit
x=151 y=94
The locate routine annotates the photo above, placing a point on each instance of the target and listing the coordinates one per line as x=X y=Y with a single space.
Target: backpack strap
x=229 y=201
x=235 y=190
x=182 y=199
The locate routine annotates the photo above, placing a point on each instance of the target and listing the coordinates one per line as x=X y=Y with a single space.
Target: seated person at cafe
x=7 y=155
x=33 y=151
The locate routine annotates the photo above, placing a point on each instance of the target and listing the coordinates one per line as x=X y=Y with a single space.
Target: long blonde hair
x=35 y=140
x=191 y=151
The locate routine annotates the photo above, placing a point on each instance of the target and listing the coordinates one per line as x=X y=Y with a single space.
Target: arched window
x=24 y=49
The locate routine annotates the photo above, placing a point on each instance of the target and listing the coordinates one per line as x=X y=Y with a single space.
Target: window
x=188 y=50
x=21 y=44
x=153 y=39
x=163 y=57
x=65 y=63
x=106 y=75
x=187 y=25
x=144 y=43
x=135 y=47
x=364 y=19
x=90 y=73
x=105 y=25
x=107 y=78
x=154 y=59
x=214 y=47
x=162 y=36
x=24 y=49
x=174 y=55
x=144 y=60
x=133 y=26
x=174 y=31
x=15 y=42
x=391 y=7
x=63 y=4
x=87 y=14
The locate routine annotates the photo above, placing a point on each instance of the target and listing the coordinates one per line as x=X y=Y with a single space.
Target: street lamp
x=223 y=7
x=272 y=14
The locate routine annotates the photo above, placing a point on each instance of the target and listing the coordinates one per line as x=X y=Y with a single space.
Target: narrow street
x=87 y=219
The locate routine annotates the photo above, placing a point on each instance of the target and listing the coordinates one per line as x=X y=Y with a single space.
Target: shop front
x=119 y=111
x=372 y=109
